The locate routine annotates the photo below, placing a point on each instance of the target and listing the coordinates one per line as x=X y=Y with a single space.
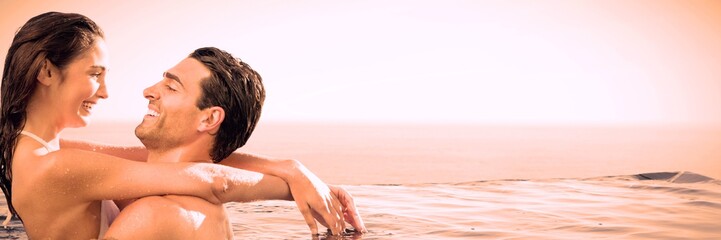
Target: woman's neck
x=42 y=121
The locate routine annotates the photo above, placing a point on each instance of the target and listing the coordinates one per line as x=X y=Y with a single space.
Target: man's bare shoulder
x=168 y=217
x=191 y=203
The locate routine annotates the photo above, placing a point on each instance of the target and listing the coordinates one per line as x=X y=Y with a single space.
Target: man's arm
x=309 y=192
x=282 y=168
x=306 y=188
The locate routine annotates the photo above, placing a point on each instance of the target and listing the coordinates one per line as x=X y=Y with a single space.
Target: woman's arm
x=93 y=176
x=135 y=153
x=285 y=169
x=309 y=192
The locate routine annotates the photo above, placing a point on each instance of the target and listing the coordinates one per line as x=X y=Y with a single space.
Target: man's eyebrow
x=172 y=76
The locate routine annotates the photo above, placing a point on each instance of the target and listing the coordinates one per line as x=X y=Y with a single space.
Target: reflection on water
x=606 y=207
x=637 y=207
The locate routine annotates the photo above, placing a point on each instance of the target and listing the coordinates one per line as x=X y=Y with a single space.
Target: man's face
x=173 y=116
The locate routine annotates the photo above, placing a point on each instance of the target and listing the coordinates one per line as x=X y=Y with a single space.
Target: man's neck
x=179 y=154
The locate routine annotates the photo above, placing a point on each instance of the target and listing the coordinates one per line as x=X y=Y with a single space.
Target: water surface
x=452 y=181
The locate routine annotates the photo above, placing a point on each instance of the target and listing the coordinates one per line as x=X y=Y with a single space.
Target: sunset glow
x=508 y=62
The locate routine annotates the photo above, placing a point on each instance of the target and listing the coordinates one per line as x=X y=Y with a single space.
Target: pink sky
x=528 y=62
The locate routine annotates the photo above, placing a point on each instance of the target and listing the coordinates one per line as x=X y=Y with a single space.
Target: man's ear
x=48 y=73
x=212 y=117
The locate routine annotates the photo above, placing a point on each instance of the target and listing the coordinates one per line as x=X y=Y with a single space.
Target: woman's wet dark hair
x=57 y=37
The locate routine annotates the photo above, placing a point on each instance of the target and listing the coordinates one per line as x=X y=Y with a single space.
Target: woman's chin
x=81 y=121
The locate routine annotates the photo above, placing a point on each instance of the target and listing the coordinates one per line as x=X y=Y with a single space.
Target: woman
x=54 y=74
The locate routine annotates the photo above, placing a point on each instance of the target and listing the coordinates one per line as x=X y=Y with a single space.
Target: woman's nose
x=102 y=92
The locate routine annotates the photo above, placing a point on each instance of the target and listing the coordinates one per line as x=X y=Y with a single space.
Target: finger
x=355 y=220
x=351 y=212
x=339 y=213
x=308 y=216
x=329 y=215
x=318 y=217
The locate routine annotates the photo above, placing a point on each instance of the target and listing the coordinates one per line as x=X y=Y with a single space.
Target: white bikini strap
x=38 y=139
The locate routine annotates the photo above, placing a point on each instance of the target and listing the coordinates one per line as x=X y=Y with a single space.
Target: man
x=205 y=108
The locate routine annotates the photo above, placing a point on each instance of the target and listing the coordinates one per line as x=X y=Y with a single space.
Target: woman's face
x=83 y=84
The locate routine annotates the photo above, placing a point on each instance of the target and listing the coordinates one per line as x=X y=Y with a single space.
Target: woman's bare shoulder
x=65 y=169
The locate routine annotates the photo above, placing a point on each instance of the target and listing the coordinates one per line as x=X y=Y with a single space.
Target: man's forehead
x=189 y=70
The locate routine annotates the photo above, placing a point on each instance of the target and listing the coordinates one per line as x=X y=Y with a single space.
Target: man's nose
x=150 y=93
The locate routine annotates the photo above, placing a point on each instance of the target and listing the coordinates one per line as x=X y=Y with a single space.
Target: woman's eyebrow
x=98 y=66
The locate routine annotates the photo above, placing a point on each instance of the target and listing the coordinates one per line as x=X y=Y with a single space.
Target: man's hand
x=330 y=205
x=350 y=212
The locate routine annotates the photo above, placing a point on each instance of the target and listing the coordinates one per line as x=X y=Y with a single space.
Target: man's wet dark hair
x=236 y=88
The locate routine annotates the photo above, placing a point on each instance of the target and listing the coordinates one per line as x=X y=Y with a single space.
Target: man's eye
x=170 y=88
x=95 y=75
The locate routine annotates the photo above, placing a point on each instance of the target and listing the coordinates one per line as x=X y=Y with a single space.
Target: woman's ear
x=212 y=117
x=48 y=73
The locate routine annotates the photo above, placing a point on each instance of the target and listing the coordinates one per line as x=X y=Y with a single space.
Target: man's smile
x=152 y=113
